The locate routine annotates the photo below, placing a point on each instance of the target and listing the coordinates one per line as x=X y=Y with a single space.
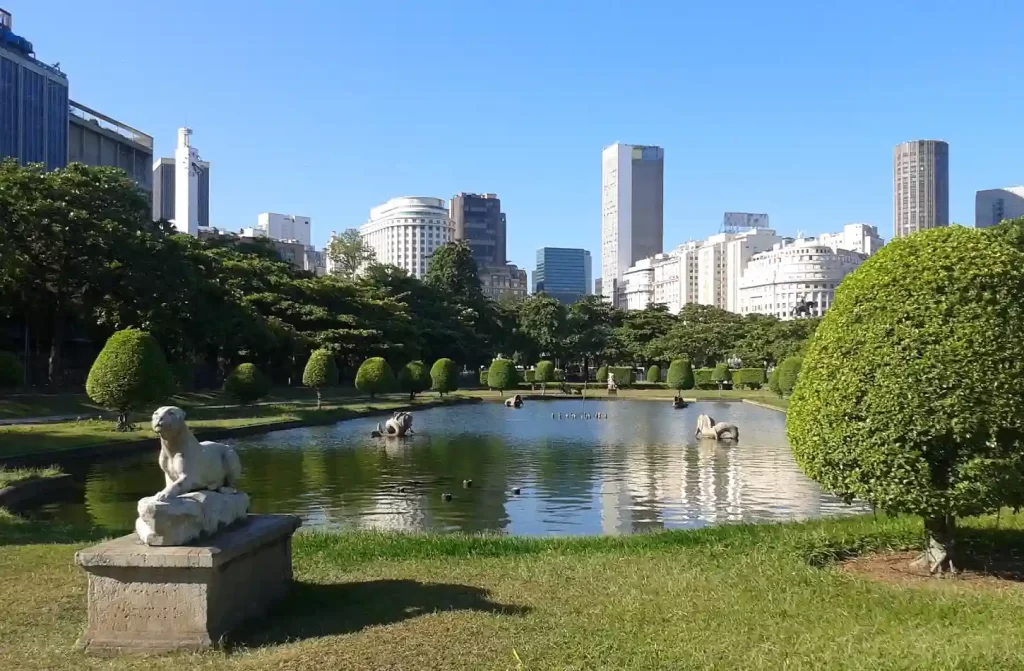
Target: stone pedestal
x=152 y=599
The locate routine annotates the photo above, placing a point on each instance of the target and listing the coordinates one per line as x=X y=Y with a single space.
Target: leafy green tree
x=654 y=374
x=680 y=375
x=130 y=373
x=589 y=325
x=701 y=333
x=375 y=377
x=414 y=378
x=321 y=371
x=788 y=371
x=454 y=275
x=12 y=373
x=909 y=397
x=246 y=384
x=444 y=376
x=544 y=373
x=635 y=340
x=542 y=320
x=348 y=253
x=484 y=375
x=502 y=375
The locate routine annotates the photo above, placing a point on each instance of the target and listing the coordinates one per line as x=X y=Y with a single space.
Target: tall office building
x=920 y=186
x=563 y=273
x=181 y=187
x=991 y=206
x=96 y=139
x=405 y=231
x=632 y=210
x=33 y=103
x=479 y=221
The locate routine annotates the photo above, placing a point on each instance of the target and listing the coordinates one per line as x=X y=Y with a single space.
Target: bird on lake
x=516 y=490
x=467 y=484
x=446 y=497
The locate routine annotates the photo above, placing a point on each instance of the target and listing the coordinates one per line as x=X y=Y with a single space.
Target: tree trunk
x=54 y=365
x=319 y=399
x=940 y=546
x=412 y=396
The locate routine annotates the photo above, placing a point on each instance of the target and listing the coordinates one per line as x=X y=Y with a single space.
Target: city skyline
x=719 y=160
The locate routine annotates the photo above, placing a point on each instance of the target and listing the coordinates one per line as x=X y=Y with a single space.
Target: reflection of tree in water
x=113 y=490
x=565 y=469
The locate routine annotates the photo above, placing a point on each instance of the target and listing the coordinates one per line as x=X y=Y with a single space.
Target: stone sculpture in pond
x=707 y=428
x=200 y=495
x=396 y=427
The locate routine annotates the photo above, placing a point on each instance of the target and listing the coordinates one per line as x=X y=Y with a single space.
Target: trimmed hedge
x=321 y=371
x=702 y=379
x=12 y=373
x=789 y=370
x=484 y=374
x=680 y=375
x=654 y=374
x=530 y=376
x=502 y=375
x=773 y=381
x=624 y=377
x=721 y=374
x=748 y=378
x=602 y=374
x=444 y=376
x=247 y=384
x=375 y=377
x=414 y=378
x=544 y=373
x=130 y=373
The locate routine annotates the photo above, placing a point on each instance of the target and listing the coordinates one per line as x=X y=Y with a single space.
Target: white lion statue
x=707 y=428
x=396 y=427
x=189 y=465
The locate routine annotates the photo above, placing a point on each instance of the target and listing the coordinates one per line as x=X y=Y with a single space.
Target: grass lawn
x=14 y=476
x=26 y=438
x=740 y=597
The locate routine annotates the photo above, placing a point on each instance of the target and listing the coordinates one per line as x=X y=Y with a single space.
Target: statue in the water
x=397 y=427
x=707 y=428
x=514 y=402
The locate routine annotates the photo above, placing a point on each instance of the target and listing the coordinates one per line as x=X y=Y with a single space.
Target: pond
x=639 y=469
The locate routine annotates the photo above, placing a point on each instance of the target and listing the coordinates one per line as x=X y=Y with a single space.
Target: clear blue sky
x=329 y=108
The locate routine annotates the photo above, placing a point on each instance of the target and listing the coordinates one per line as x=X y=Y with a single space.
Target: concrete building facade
x=508 y=281
x=920 y=186
x=181 y=187
x=479 y=221
x=860 y=238
x=405 y=231
x=632 y=210
x=563 y=273
x=285 y=227
x=992 y=206
x=98 y=140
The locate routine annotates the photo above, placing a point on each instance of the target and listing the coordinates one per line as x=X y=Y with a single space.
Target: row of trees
x=80 y=259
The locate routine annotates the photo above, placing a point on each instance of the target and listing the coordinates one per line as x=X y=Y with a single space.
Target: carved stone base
x=183 y=519
x=154 y=599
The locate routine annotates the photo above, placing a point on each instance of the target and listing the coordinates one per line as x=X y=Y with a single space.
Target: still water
x=639 y=469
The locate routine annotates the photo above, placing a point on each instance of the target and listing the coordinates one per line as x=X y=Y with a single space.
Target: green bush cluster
x=702 y=378
x=602 y=374
x=530 y=376
x=624 y=376
x=502 y=375
x=12 y=374
x=654 y=374
x=680 y=375
x=748 y=378
x=721 y=374
x=544 y=373
x=484 y=375
x=321 y=371
x=375 y=377
x=414 y=378
x=444 y=376
x=788 y=372
x=130 y=373
x=247 y=384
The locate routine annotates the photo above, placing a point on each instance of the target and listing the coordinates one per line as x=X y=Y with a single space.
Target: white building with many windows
x=404 y=232
x=860 y=238
x=797 y=277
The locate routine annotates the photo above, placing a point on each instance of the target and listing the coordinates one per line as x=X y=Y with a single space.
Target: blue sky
x=329 y=108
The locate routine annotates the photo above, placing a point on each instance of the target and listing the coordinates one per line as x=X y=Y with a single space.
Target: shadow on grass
x=992 y=551
x=312 y=610
x=25 y=532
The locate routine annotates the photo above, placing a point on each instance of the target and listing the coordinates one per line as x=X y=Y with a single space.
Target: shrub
x=375 y=377
x=444 y=377
x=748 y=378
x=502 y=375
x=545 y=373
x=484 y=374
x=247 y=384
x=909 y=397
x=654 y=374
x=773 y=381
x=623 y=376
x=702 y=378
x=788 y=372
x=680 y=375
x=12 y=374
x=321 y=371
x=530 y=376
x=130 y=373
x=414 y=378
x=602 y=374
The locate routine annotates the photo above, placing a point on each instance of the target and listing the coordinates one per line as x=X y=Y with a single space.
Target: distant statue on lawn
x=200 y=480
x=612 y=387
x=707 y=428
x=396 y=427
x=514 y=402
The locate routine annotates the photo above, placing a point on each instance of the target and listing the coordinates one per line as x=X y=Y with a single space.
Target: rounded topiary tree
x=246 y=384
x=502 y=375
x=545 y=373
x=909 y=396
x=602 y=374
x=721 y=374
x=530 y=376
x=129 y=374
x=12 y=373
x=321 y=371
x=414 y=378
x=444 y=377
x=680 y=375
x=375 y=377
x=483 y=377
x=654 y=374
x=773 y=381
x=787 y=374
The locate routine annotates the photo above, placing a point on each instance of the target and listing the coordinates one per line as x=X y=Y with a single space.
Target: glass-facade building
x=562 y=273
x=33 y=106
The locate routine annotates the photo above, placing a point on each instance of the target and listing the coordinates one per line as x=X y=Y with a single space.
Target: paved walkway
x=51 y=419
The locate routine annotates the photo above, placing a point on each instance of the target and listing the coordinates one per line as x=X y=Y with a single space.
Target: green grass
x=32 y=438
x=735 y=597
x=14 y=476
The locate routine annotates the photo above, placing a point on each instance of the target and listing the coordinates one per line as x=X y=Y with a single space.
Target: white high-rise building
x=794 y=278
x=405 y=231
x=860 y=238
x=287 y=227
x=632 y=210
x=181 y=187
x=991 y=206
x=720 y=262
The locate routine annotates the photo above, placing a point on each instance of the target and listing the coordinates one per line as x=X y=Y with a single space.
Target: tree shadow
x=312 y=610
x=990 y=551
